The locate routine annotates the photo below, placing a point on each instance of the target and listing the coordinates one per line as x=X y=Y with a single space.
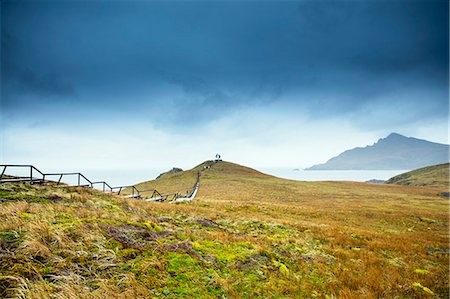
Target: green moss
x=281 y=267
x=11 y=239
x=113 y=244
x=4 y=193
x=188 y=277
x=158 y=228
x=179 y=262
x=25 y=215
x=316 y=278
x=149 y=225
x=418 y=286
x=225 y=252
x=129 y=253
x=64 y=218
x=421 y=271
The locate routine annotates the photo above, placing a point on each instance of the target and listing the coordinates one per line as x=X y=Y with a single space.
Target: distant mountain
x=393 y=152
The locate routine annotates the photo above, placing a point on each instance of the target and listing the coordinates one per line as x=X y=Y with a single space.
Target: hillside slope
x=246 y=235
x=209 y=170
x=436 y=175
x=393 y=152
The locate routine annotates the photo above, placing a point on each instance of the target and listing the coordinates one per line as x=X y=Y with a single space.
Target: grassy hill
x=246 y=235
x=184 y=180
x=436 y=175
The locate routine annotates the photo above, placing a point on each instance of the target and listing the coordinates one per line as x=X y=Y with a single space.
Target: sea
x=125 y=177
x=129 y=177
x=332 y=175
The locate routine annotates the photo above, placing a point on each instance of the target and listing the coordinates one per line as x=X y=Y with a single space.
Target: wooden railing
x=82 y=181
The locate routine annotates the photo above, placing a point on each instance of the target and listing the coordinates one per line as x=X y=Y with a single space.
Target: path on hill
x=42 y=179
x=197 y=184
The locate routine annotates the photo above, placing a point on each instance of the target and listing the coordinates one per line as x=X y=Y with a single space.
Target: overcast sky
x=156 y=84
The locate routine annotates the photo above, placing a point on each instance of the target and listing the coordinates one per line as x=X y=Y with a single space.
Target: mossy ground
x=247 y=235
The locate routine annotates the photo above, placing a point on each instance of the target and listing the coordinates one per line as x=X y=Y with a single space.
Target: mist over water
x=120 y=177
x=332 y=175
x=125 y=177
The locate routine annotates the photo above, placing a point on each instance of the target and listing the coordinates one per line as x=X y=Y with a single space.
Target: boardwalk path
x=38 y=177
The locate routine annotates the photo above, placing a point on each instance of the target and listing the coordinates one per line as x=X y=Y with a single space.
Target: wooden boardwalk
x=83 y=181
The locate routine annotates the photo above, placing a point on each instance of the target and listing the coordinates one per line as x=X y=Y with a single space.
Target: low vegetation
x=436 y=175
x=246 y=235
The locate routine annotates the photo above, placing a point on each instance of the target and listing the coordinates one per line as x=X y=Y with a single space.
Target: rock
x=375 y=181
x=173 y=170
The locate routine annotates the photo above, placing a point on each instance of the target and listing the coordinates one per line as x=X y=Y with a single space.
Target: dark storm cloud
x=24 y=79
x=50 y=84
x=329 y=57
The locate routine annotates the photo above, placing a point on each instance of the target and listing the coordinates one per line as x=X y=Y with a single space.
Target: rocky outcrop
x=173 y=170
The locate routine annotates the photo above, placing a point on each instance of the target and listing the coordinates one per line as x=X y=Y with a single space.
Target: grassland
x=247 y=235
x=436 y=175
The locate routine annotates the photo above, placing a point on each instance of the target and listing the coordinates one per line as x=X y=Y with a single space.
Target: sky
x=157 y=84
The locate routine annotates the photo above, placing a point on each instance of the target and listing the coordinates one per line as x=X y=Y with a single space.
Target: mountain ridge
x=392 y=152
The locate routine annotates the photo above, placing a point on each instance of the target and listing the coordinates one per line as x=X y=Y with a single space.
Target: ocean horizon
x=332 y=175
x=125 y=177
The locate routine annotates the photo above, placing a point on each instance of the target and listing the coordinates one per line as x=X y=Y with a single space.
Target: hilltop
x=246 y=235
x=436 y=175
x=393 y=152
x=210 y=172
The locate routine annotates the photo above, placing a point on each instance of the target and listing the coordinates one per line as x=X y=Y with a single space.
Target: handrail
x=155 y=192
x=63 y=173
x=104 y=184
x=31 y=167
x=134 y=189
x=32 y=179
x=81 y=175
x=78 y=174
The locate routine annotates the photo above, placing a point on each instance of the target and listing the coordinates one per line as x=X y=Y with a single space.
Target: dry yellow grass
x=246 y=235
x=435 y=175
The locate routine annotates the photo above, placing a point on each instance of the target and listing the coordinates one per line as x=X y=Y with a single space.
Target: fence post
x=79 y=179
x=3 y=172
x=31 y=174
